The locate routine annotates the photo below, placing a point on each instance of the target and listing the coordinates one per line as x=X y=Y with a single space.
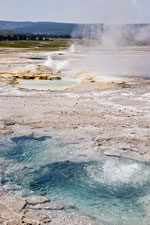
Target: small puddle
x=36 y=58
x=111 y=190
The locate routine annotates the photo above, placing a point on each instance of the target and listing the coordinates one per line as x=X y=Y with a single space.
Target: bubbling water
x=100 y=187
x=115 y=171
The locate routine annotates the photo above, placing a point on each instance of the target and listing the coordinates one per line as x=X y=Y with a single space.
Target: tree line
x=31 y=37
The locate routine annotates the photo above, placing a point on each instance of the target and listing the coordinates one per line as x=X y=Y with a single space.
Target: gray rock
x=16 y=204
x=34 y=200
x=53 y=205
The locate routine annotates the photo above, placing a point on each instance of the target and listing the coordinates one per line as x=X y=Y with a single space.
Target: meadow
x=51 y=45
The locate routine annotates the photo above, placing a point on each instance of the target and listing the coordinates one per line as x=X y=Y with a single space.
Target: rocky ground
x=113 y=121
x=37 y=210
x=111 y=117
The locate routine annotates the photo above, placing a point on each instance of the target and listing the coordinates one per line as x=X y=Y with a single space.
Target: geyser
x=55 y=65
x=72 y=48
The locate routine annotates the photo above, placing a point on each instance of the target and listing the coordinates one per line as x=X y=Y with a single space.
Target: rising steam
x=107 y=49
x=109 y=52
x=56 y=66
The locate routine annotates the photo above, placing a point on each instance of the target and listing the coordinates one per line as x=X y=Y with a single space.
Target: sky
x=76 y=11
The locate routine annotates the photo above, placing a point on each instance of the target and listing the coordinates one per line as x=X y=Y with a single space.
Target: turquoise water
x=114 y=191
x=36 y=58
x=47 y=84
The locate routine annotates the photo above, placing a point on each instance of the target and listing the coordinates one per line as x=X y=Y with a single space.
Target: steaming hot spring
x=79 y=64
x=96 y=186
x=58 y=65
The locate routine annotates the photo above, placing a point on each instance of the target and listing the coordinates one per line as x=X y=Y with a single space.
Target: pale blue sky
x=77 y=11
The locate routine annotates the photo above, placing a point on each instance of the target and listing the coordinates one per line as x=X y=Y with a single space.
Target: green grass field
x=51 y=45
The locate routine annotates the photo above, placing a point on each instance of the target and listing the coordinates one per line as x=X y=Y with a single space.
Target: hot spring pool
x=47 y=84
x=114 y=191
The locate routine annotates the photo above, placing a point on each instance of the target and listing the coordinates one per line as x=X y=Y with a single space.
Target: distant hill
x=131 y=31
x=38 y=27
